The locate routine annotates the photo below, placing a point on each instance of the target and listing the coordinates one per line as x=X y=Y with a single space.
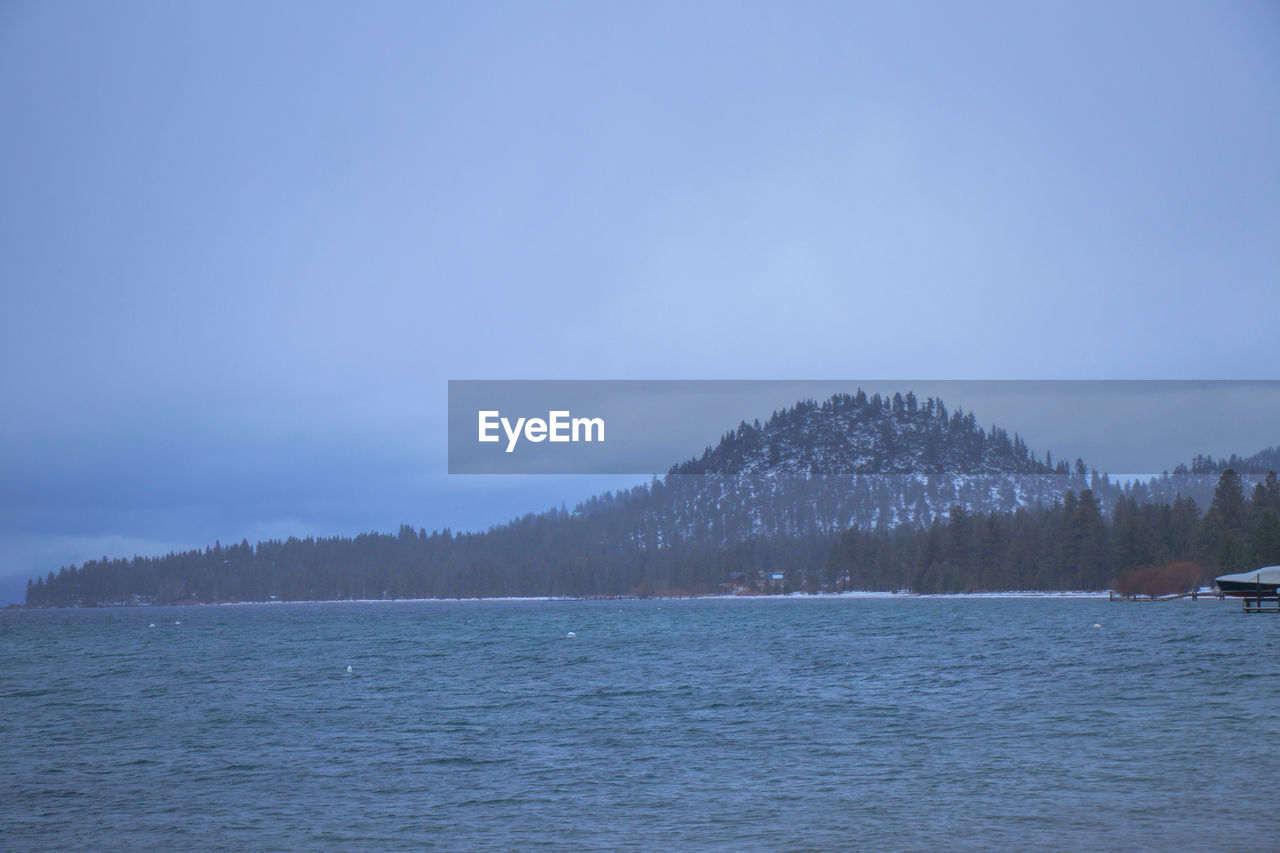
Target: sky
x=244 y=246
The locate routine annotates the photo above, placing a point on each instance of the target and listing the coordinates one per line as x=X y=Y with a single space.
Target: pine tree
x=1264 y=528
x=1222 y=543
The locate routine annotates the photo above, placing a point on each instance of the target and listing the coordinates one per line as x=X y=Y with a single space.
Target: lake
x=892 y=723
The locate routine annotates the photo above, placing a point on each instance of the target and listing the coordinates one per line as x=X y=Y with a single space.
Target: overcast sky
x=243 y=246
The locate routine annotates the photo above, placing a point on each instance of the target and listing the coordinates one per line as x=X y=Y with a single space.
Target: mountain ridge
x=856 y=434
x=757 y=501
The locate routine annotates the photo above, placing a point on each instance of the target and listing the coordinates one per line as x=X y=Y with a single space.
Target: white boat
x=1264 y=581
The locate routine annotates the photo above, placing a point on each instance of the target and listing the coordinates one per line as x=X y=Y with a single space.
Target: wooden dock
x=1262 y=603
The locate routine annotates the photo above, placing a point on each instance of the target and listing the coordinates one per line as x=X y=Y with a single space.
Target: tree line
x=663 y=539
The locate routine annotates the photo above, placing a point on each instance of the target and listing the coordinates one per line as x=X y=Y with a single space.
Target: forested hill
x=767 y=499
x=1257 y=464
x=854 y=434
x=851 y=461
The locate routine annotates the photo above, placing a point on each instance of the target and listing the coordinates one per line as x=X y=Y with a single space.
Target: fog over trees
x=853 y=493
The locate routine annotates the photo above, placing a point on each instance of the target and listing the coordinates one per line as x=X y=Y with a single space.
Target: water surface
x=728 y=725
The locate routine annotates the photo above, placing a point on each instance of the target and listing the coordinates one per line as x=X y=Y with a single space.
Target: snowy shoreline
x=795 y=596
x=853 y=595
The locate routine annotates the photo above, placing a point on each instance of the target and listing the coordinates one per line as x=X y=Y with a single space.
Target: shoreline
x=853 y=595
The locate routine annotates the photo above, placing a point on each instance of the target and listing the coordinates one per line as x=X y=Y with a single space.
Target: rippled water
x=733 y=725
